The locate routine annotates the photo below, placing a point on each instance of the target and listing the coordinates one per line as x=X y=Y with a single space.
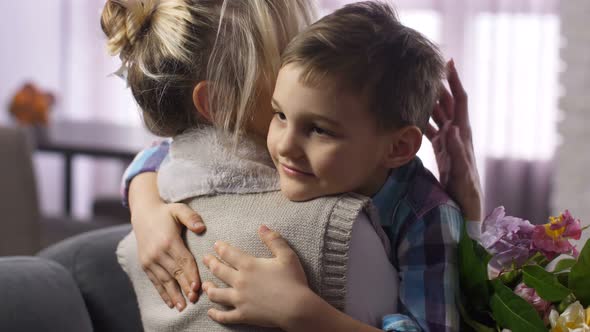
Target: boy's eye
x=281 y=116
x=320 y=131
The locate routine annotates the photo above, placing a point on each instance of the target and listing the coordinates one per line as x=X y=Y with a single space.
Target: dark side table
x=94 y=139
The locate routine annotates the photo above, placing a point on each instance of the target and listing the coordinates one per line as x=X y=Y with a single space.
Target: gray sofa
x=23 y=229
x=74 y=285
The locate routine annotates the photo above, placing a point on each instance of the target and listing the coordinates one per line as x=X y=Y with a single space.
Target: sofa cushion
x=40 y=295
x=106 y=289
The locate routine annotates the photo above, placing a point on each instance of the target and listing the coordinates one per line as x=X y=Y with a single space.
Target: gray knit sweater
x=235 y=191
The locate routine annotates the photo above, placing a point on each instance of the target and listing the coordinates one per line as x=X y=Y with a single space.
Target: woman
x=167 y=287
x=202 y=72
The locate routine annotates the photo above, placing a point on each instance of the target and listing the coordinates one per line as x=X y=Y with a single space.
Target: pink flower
x=530 y=295
x=552 y=239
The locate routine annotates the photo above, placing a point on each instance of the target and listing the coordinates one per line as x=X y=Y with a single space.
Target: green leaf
x=472 y=323
x=472 y=273
x=566 y=303
x=579 y=279
x=511 y=278
x=539 y=259
x=545 y=283
x=563 y=278
x=514 y=313
x=564 y=264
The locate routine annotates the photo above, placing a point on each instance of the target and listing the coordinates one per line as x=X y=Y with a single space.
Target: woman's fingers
x=170 y=285
x=163 y=294
x=460 y=97
x=447 y=104
x=430 y=132
x=456 y=150
x=439 y=114
x=220 y=270
x=189 y=218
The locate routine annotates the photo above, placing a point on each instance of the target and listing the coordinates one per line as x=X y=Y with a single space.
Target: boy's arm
x=427 y=258
x=157 y=227
x=148 y=160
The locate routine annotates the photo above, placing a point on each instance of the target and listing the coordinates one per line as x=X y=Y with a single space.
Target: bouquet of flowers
x=524 y=277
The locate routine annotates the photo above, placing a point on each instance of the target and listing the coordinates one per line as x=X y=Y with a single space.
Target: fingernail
x=194 y=286
x=179 y=306
x=217 y=244
x=198 y=225
x=264 y=229
x=170 y=305
x=452 y=62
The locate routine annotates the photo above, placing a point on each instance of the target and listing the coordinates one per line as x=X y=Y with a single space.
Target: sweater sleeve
x=148 y=160
x=363 y=302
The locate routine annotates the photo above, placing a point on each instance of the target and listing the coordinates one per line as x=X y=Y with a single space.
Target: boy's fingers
x=170 y=285
x=275 y=242
x=169 y=264
x=231 y=255
x=225 y=317
x=160 y=289
x=224 y=296
x=220 y=270
x=207 y=285
x=189 y=218
x=185 y=270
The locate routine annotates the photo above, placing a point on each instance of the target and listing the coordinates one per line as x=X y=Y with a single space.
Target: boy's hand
x=263 y=291
x=164 y=257
x=453 y=147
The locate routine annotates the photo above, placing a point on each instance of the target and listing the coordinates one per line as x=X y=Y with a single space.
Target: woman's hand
x=453 y=147
x=164 y=257
x=263 y=291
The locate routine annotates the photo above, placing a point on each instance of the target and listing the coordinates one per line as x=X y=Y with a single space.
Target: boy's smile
x=323 y=140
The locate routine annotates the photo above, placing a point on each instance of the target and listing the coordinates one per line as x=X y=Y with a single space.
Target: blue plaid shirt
x=423 y=225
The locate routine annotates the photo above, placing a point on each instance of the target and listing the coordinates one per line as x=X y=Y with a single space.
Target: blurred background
x=524 y=63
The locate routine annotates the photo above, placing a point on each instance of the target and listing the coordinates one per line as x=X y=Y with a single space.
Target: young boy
x=351 y=102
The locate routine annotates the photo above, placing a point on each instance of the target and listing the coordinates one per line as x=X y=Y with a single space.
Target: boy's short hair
x=364 y=47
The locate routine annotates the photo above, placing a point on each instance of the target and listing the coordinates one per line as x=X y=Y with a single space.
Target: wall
x=572 y=182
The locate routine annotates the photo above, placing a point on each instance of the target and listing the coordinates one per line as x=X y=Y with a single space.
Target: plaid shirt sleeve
x=148 y=160
x=427 y=262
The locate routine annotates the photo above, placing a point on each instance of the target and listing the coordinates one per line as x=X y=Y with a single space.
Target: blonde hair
x=364 y=47
x=168 y=46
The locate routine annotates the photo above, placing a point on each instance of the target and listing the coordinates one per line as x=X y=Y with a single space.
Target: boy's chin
x=298 y=195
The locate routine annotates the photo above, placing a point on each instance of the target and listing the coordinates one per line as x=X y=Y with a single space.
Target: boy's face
x=324 y=141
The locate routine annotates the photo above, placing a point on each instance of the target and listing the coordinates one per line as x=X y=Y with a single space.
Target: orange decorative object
x=31 y=106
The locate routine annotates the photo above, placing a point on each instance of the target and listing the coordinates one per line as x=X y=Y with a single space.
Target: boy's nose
x=289 y=145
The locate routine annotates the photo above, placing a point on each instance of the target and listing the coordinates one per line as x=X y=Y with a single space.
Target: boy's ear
x=201 y=100
x=404 y=146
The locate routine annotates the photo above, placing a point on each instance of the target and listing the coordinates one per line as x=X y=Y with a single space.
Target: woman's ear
x=201 y=100
x=405 y=143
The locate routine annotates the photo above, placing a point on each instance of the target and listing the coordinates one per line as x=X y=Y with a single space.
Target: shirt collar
x=394 y=188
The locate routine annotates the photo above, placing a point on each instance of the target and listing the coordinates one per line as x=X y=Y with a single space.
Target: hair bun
x=123 y=22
